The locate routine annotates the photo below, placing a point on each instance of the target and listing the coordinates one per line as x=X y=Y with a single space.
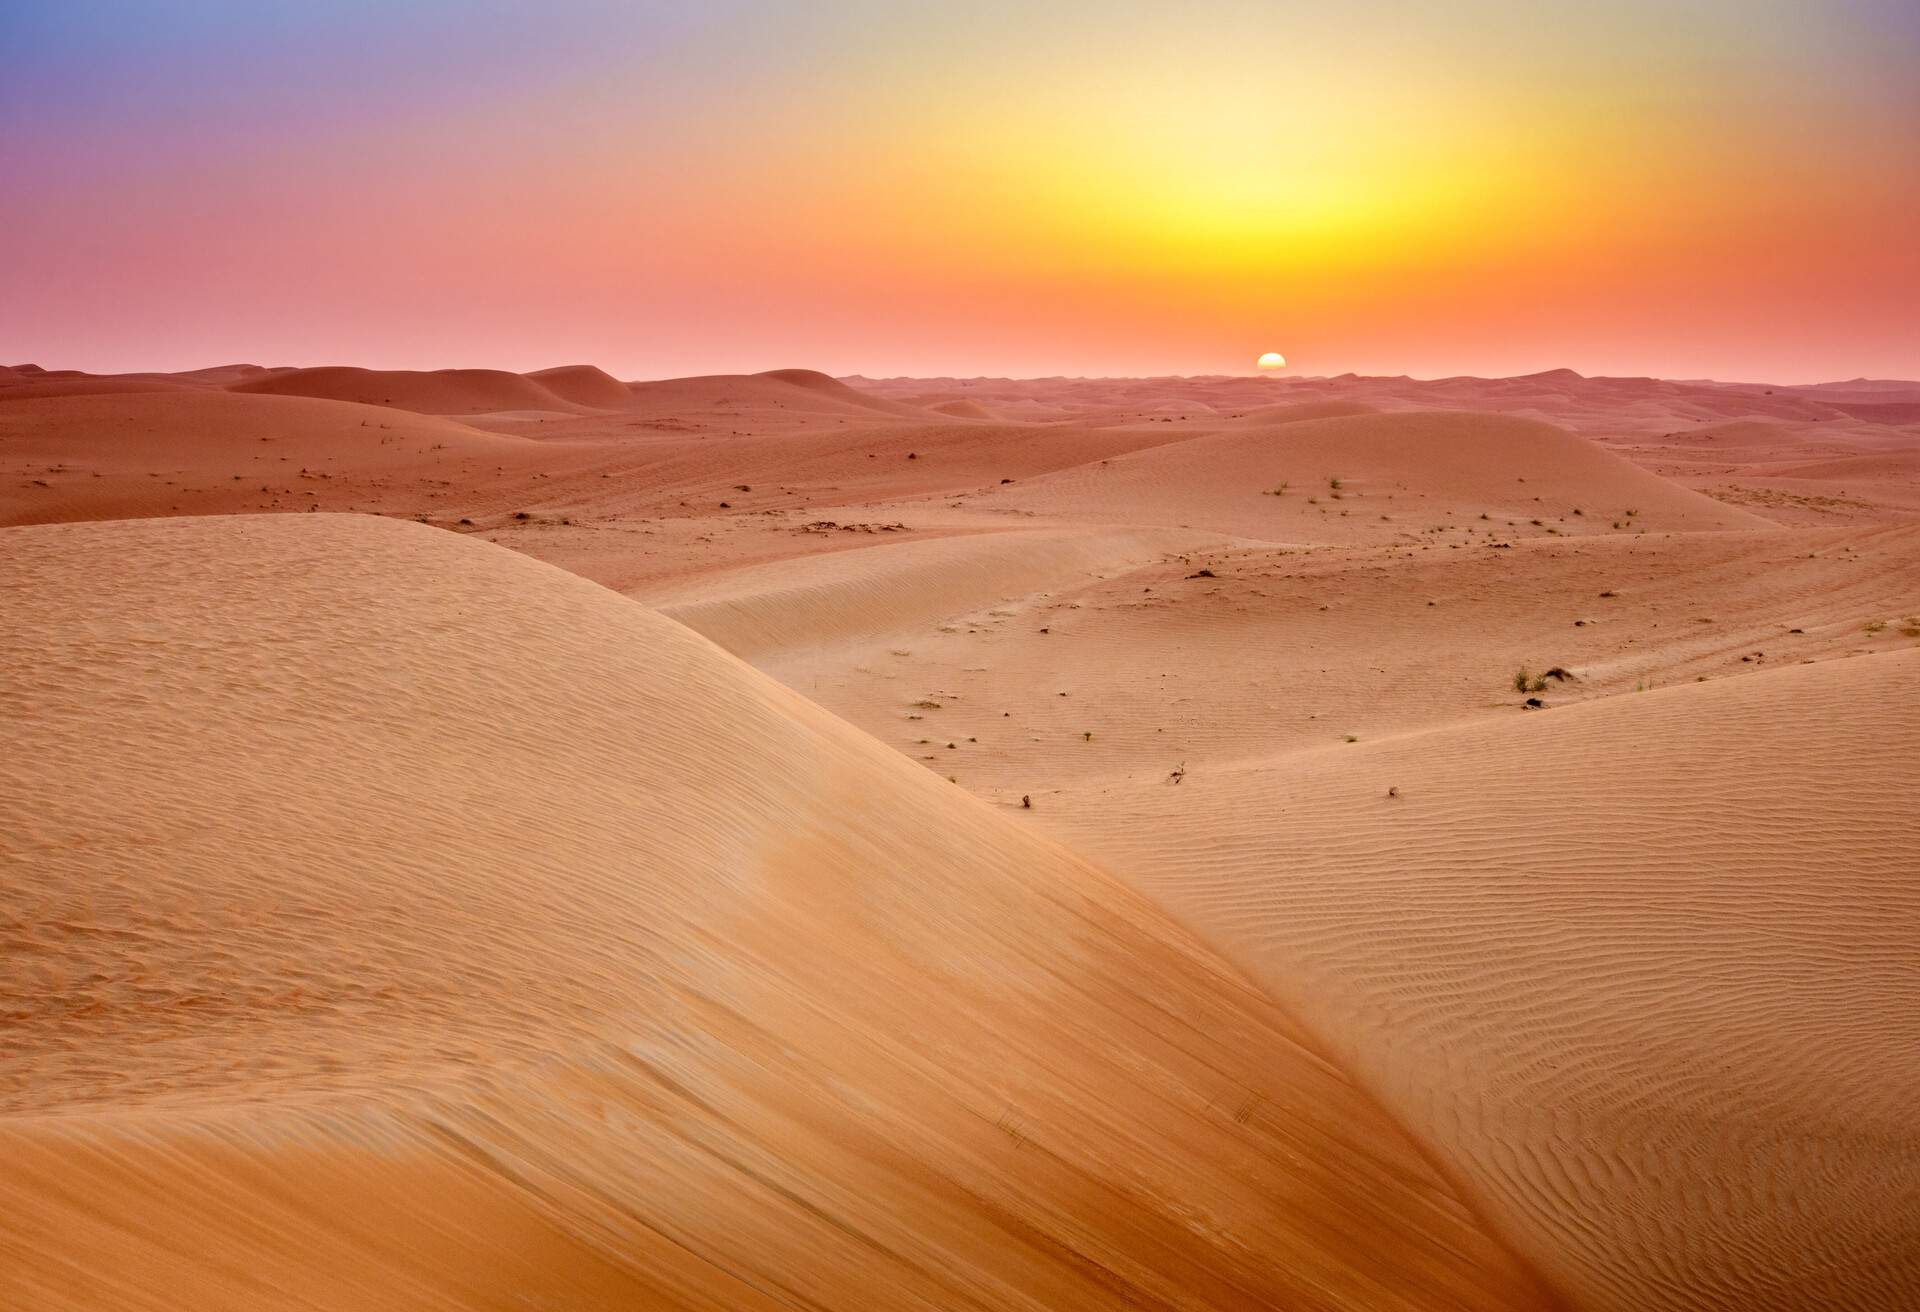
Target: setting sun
x=1271 y=360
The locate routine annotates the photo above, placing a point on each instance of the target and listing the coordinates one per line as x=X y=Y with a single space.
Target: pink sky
x=1017 y=189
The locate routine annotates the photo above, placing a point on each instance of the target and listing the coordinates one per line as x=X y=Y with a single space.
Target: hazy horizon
x=1290 y=375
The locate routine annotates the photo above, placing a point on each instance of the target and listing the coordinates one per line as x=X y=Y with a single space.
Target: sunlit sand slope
x=1643 y=969
x=393 y=922
x=864 y=592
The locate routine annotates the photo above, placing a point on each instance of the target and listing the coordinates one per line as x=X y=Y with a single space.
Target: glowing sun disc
x=1271 y=360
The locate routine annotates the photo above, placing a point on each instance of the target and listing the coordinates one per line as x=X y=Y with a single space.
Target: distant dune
x=810 y=380
x=802 y=391
x=585 y=385
x=1289 y=412
x=963 y=410
x=440 y=392
x=1398 y=475
x=151 y=453
x=31 y=387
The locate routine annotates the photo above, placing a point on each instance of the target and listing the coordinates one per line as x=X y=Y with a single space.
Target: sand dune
x=1288 y=650
x=398 y=922
x=1642 y=969
x=439 y=392
x=872 y=591
x=791 y=395
x=963 y=409
x=395 y=921
x=1374 y=477
x=584 y=385
x=29 y=387
x=1294 y=411
x=194 y=451
x=812 y=380
x=220 y=375
x=1825 y=472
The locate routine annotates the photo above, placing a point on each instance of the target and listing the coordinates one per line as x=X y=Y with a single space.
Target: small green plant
x=1333 y=485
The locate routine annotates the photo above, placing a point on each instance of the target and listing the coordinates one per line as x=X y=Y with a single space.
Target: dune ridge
x=584 y=384
x=443 y=928
x=439 y=391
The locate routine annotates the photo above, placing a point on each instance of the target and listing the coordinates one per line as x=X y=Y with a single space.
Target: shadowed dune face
x=557 y=956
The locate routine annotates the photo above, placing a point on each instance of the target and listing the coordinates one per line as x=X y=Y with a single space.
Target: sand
x=439 y=392
x=428 y=924
x=1014 y=843
x=1642 y=967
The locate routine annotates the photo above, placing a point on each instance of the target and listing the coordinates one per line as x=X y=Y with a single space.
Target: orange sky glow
x=1714 y=189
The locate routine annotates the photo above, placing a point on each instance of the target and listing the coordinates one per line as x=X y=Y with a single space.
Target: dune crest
x=438 y=392
x=442 y=928
x=585 y=385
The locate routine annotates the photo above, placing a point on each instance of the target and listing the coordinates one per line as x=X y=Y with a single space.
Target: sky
x=1690 y=188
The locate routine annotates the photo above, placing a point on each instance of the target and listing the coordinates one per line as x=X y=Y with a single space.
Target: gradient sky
x=1689 y=188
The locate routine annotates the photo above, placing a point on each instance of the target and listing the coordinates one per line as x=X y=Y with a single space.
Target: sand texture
x=474 y=839
x=396 y=921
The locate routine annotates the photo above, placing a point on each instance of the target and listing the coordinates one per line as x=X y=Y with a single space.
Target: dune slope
x=845 y=595
x=583 y=384
x=393 y=921
x=1642 y=968
x=1378 y=477
x=206 y=452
